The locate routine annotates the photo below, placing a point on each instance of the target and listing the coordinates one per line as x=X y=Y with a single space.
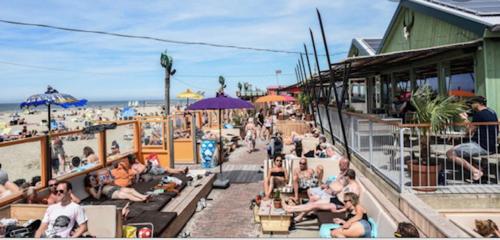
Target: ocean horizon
x=13 y=107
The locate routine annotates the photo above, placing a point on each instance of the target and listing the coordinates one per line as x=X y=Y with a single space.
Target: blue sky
x=110 y=68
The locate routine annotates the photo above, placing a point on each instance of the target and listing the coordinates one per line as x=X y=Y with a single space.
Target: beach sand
x=23 y=160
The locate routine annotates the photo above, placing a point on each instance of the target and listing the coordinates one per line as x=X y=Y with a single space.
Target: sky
x=98 y=67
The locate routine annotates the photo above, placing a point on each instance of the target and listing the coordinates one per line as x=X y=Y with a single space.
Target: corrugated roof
x=485 y=12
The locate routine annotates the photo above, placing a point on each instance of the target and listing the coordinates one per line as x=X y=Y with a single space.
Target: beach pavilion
x=450 y=45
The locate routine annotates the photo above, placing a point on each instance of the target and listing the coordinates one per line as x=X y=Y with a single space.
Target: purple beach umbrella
x=220 y=102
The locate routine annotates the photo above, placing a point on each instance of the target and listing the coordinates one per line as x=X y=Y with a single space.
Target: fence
x=411 y=157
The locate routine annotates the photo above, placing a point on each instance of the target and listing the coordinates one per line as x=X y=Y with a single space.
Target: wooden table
x=272 y=219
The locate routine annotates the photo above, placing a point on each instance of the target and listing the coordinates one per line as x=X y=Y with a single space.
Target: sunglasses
x=302 y=163
x=52 y=185
x=58 y=192
x=346 y=201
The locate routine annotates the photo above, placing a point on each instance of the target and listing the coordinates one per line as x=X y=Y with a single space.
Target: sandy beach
x=22 y=161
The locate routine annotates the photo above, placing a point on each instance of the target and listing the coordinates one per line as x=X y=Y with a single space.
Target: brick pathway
x=228 y=214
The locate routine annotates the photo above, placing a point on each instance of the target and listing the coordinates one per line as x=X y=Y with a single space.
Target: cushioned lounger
x=160 y=220
x=156 y=203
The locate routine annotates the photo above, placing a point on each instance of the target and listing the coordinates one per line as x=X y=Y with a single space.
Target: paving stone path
x=228 y=213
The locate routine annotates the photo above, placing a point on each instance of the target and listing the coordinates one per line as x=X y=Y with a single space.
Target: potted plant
x=304 y=101
x=277 y=199
x=438 y=112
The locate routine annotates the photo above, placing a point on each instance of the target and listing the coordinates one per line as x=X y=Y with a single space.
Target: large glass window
x=461 y=81
x=427 y=76
x=358 y=91
x=74 y=153
x=402 y=80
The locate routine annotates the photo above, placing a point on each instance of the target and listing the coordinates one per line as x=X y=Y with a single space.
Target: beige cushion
x=103 y=220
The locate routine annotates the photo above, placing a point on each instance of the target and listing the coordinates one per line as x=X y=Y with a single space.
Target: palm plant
x=304 y=100
x=240 y=86
x=437 y=111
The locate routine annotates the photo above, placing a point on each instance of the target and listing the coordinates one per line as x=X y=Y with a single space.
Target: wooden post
x=193 y=138
x=102 y=147
x=138 y=140
x=45 y=166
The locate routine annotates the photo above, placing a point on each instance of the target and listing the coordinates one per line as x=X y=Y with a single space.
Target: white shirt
x=62 y=219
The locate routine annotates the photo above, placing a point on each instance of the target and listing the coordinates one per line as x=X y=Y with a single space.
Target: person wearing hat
x=483 y=137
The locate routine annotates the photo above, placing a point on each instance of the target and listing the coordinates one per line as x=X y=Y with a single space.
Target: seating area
x=162 y=211
x=383 y=221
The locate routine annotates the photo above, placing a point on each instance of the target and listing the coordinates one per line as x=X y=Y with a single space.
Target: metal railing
x=411 y=157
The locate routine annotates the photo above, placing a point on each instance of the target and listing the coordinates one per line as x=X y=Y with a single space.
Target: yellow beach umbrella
x=188 y=94
x=271 y=98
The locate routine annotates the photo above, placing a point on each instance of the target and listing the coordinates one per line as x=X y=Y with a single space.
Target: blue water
x=105 y=104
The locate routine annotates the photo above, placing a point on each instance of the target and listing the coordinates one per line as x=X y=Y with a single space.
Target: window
x=461 y=81
x=427 y=76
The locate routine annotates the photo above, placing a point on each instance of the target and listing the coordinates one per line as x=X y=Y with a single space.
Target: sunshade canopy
x=189 y=95
x=271 y=98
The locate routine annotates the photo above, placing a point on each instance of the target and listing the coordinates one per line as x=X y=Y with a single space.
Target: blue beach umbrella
x=53 y=97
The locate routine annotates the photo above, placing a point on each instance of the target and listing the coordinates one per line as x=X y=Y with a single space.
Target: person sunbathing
x=357 y=224
x=305 y=178
x=104 y=188
x=89 y=154
x=333 y=204
x=7 y=187
x=276 y=178
x=53 y=198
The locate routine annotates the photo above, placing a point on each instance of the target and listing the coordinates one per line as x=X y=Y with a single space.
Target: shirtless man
x=52 y=198
x=327 y=191
x=333 y=204
x=305 y=177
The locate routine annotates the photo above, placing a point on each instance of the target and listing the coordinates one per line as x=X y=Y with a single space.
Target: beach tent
x=128 y=112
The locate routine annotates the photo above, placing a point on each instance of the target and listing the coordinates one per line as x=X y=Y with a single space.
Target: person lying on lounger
x=101 y=186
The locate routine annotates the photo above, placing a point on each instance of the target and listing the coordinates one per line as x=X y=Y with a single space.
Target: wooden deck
x=185 y=204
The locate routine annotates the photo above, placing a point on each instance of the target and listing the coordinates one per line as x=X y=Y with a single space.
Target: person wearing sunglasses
x=60 y=218
x=305 y=178
x=277 y=177
x=332 y=203
x=357 y=224
x=52 y=198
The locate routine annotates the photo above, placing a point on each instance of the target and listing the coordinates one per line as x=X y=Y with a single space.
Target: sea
x=13 y=107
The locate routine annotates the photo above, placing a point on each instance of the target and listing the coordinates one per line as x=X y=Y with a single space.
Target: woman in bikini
x=276 y=178
x=102 y=188
x=357 y=224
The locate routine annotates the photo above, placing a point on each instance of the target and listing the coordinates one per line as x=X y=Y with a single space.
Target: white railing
x=394 y=150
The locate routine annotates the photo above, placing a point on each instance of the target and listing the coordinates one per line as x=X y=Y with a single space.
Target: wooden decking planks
x=185 y=204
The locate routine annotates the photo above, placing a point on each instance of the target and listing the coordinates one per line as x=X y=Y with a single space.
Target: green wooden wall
x=426 y=32
x=491 y=52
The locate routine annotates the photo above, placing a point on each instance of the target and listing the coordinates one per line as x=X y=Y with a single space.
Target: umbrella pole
x=220 y=142
x=48 y=149
x=220 y=182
